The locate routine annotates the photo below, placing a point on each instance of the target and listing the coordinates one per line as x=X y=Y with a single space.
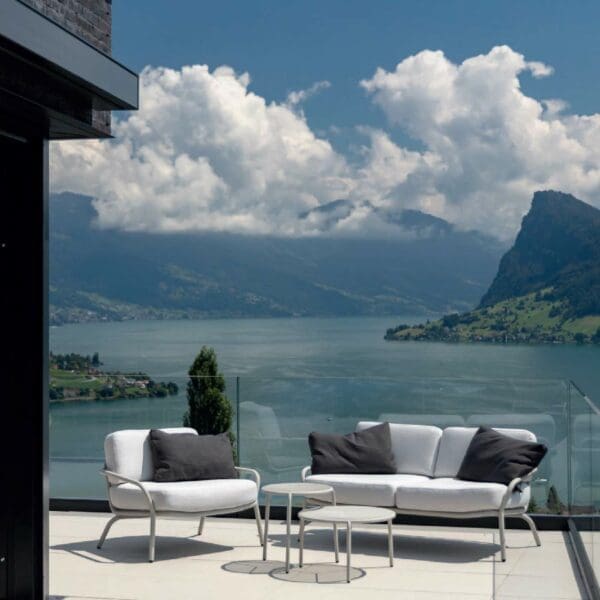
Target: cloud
x=206 y=153
x=297 y=97
x=487 y=145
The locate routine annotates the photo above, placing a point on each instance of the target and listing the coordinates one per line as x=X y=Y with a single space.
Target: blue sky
x=289 y=44
x=458 y=109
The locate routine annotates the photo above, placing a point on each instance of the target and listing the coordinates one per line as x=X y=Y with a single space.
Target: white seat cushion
x=454 y=444
x=454 y=495
x=415 y=447
x=369 y=490
x=186 y=496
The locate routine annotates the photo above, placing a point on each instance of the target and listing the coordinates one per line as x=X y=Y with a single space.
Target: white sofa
x=427 y=461
x=132 y=493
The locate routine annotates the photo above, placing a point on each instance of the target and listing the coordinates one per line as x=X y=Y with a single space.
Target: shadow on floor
x=323 y=573
x=134 y=549
x=374 y=543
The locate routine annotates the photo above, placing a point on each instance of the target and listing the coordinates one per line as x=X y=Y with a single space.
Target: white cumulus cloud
x=206 y=153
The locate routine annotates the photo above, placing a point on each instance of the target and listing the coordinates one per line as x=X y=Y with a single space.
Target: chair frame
x=500 y=513
x=153 y=514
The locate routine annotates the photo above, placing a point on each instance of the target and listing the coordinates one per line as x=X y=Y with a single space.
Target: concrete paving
x=431 y=563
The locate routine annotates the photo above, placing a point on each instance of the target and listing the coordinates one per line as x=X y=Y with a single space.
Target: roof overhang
x=52 y=76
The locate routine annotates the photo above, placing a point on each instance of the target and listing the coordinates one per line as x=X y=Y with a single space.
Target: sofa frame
x=501 y=513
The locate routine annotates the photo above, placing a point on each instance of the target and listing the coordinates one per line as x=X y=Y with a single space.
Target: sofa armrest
x=112 y=475
x=252 y=473
x=305 y=472
x=518 y=483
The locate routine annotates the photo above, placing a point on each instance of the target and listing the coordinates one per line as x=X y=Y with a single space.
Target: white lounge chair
x=132 y=494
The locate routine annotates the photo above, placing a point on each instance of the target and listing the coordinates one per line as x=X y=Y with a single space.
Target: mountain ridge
x=98 y=274
x=547 y=288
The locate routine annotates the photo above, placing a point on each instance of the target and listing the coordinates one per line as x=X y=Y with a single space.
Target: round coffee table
x=304 y=490
x=348 y=515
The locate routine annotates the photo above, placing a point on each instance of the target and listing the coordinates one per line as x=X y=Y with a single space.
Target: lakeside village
x=75 y=377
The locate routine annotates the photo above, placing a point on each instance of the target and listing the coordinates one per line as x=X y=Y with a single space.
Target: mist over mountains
x=423 y=265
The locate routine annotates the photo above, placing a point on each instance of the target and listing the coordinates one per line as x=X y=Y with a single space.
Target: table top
x=299 y=488
x=344 y=513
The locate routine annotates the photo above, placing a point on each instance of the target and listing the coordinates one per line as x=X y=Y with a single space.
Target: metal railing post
x=237 y=420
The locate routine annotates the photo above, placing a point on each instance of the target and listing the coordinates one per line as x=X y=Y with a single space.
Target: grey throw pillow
x=497 y=458
x=191 y=457
x=366 y=451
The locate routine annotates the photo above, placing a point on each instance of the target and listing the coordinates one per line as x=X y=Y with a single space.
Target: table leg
x=301 y=554
x=336 y=543
x=289 y=533
x=267 y=512
x=390 y=543
x=348 y=549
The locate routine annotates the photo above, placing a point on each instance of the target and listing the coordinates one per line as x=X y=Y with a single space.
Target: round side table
x=300 y=489
x=347 y=515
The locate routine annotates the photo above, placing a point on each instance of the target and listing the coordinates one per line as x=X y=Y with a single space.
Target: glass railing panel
x=276 y=416
x=273 y=417
x=585 y=472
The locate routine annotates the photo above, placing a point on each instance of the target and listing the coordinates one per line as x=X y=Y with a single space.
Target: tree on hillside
x=209 y=410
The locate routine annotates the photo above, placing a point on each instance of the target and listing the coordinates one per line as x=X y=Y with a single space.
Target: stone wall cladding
x=91 y=20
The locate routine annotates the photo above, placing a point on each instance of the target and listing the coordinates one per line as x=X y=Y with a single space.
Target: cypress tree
x=209 y=410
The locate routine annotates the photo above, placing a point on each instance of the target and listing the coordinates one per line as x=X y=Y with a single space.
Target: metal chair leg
x=152 y=541
x=201 y=526
x=502 y=535
x=336 y=543
x=531 y=523
x=390 y=543
x=301 y=537
x=107 y=529
x=258 y=524
x=348 y=549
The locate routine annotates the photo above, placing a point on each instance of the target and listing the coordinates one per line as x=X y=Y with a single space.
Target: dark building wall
x=91 y=20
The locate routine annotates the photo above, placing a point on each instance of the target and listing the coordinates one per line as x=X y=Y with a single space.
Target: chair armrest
x=305 y=472
x=111 y=474
x=253 y=474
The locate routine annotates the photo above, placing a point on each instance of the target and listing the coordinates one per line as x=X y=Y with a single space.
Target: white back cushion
x=127 y=452
x=414 y=446
x=456 y=440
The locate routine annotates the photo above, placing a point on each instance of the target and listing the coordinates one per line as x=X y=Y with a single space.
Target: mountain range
x=547 y=288
x=424 y=265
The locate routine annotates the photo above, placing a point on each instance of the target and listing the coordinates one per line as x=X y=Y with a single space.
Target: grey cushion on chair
x=191 y=457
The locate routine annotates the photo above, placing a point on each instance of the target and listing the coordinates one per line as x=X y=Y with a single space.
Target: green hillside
x=547 y=289
x=534 y=318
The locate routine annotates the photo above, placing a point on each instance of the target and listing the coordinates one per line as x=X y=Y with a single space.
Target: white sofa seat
x=186 y=496
x=446 y=494
x=368 y=490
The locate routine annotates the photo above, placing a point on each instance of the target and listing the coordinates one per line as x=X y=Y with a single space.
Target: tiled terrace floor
x=430 y=563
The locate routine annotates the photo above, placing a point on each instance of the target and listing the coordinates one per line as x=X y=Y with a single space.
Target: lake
x=290 y=376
